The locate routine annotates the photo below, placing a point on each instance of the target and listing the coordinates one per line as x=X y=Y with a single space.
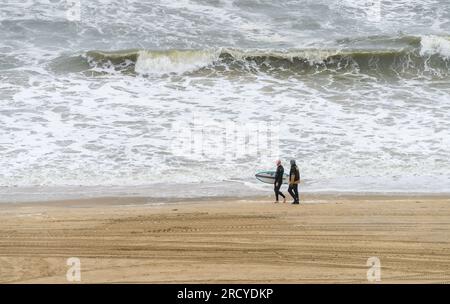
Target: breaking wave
x=407 y=55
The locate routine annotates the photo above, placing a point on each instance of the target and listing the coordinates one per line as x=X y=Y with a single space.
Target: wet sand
x=328 y=239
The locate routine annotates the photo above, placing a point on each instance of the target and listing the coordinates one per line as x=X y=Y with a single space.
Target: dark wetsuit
x=278 y=182
x=293 y=188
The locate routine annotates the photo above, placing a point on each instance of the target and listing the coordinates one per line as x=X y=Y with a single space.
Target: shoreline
x=199 y=191
x=326 y=240
x=304 y=197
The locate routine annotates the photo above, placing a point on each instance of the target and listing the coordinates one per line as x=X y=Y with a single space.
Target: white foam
x=432 y=45
x=70 y=129
x=178 y=62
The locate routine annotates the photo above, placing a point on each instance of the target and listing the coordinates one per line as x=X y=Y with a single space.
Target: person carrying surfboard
x=279 y=181
x=294 y=180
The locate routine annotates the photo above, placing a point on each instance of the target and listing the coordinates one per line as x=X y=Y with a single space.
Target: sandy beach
x=328 y=239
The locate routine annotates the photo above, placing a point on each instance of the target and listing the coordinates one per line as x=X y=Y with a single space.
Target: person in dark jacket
x=279 y=181
x=294 y=180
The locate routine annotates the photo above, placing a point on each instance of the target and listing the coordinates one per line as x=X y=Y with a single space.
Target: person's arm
x=276 y=176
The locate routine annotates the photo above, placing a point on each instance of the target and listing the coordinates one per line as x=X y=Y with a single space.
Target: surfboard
x=268 y=177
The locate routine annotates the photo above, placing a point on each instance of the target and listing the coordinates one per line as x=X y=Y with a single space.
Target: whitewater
x=106 y=97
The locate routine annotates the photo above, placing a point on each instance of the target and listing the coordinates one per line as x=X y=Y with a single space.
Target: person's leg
x=291 y=192
x=276 y=189
x=282 y=195
x=296 y=193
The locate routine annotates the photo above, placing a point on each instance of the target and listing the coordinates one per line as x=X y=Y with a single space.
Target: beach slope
x=326 y=240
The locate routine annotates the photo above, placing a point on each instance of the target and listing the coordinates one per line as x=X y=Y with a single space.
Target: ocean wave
x=173 y=61
x=435 y=45
x=405 y=55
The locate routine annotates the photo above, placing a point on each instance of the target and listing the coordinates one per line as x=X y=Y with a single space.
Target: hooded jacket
x=294 y=175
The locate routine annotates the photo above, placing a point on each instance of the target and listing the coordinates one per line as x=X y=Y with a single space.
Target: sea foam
x=176 y=61
x=432 y=45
